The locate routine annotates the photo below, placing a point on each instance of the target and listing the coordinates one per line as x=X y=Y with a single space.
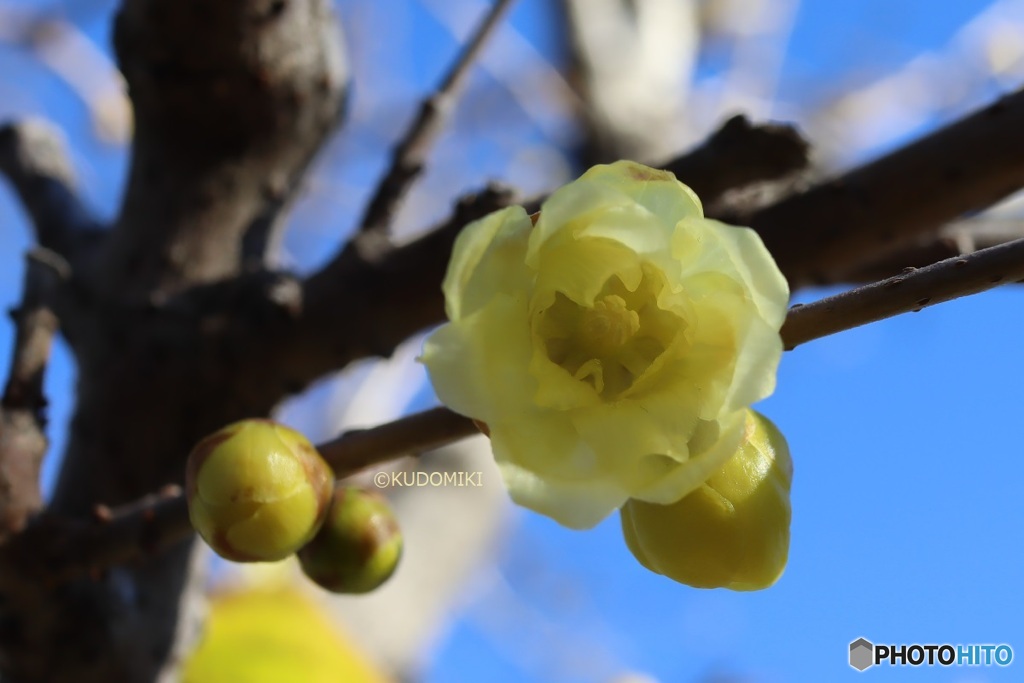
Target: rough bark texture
x=232 y=99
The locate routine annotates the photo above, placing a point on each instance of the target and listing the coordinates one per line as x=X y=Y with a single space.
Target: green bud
x=733 y=531
x=257 y=490
x=358 y=547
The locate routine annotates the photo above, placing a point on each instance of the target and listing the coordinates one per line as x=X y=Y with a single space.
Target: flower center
x=609 y=325
x=611 y=343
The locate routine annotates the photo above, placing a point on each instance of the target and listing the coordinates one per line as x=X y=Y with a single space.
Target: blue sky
x=907 y=512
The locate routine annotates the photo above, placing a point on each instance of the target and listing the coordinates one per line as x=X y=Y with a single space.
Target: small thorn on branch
x=411 y=152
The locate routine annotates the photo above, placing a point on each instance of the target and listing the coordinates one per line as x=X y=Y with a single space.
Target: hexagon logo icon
x=861 y=654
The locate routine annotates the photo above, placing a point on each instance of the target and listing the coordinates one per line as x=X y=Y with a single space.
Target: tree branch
x=822 y=234
x=34 y=159
x=738 y=154
x=152 y=522
x=956 y=239
x=911 y=291
x=411 y=152
x=827 y=232
x=400 y=290
x=62 y=548
x=23 y=440
x=232 y=100
x=399 y=294
x=361 y=448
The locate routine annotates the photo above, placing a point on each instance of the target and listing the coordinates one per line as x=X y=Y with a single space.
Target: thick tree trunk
x=232 y=99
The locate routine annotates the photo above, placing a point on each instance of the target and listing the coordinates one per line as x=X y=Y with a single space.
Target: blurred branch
x=526 y=73
x=982 y=55
x=830 y=230
x=75 y=58
x=400 y=291
x=738 y=154
x=22 y=419
x=398 y=295
x=633 y=66
x=153 y=522
x=411 y=152
x=911 y=291
x=34 y=159
x=230 y=99
x=61 y=548
x=224 y=130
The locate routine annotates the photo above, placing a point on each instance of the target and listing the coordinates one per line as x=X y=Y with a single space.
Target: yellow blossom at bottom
x=274 y=635
x=732 y=531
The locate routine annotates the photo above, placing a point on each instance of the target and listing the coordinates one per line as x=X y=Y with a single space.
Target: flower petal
x=627 y=202
x=753 y=377
x=579 y=269
x=488 y=258
x=710 y=246
x=575 y=504
x=713 y=444
x=733 y=530
x=467 y=359
x=753 y=262
x=657 y=191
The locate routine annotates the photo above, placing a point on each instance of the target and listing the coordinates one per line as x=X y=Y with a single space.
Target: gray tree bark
x=232 y=100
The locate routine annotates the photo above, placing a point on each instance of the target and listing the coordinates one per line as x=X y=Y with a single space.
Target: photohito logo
x=865 y=654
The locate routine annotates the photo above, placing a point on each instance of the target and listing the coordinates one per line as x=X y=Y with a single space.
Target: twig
x=912 y=291
x=362 y=448
x=411 y=153
x=22 y=420
x=830 y=230
x=33 y=158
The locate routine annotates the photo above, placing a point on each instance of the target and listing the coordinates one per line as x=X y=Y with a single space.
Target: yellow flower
x=611 y=349
x=733 y=531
